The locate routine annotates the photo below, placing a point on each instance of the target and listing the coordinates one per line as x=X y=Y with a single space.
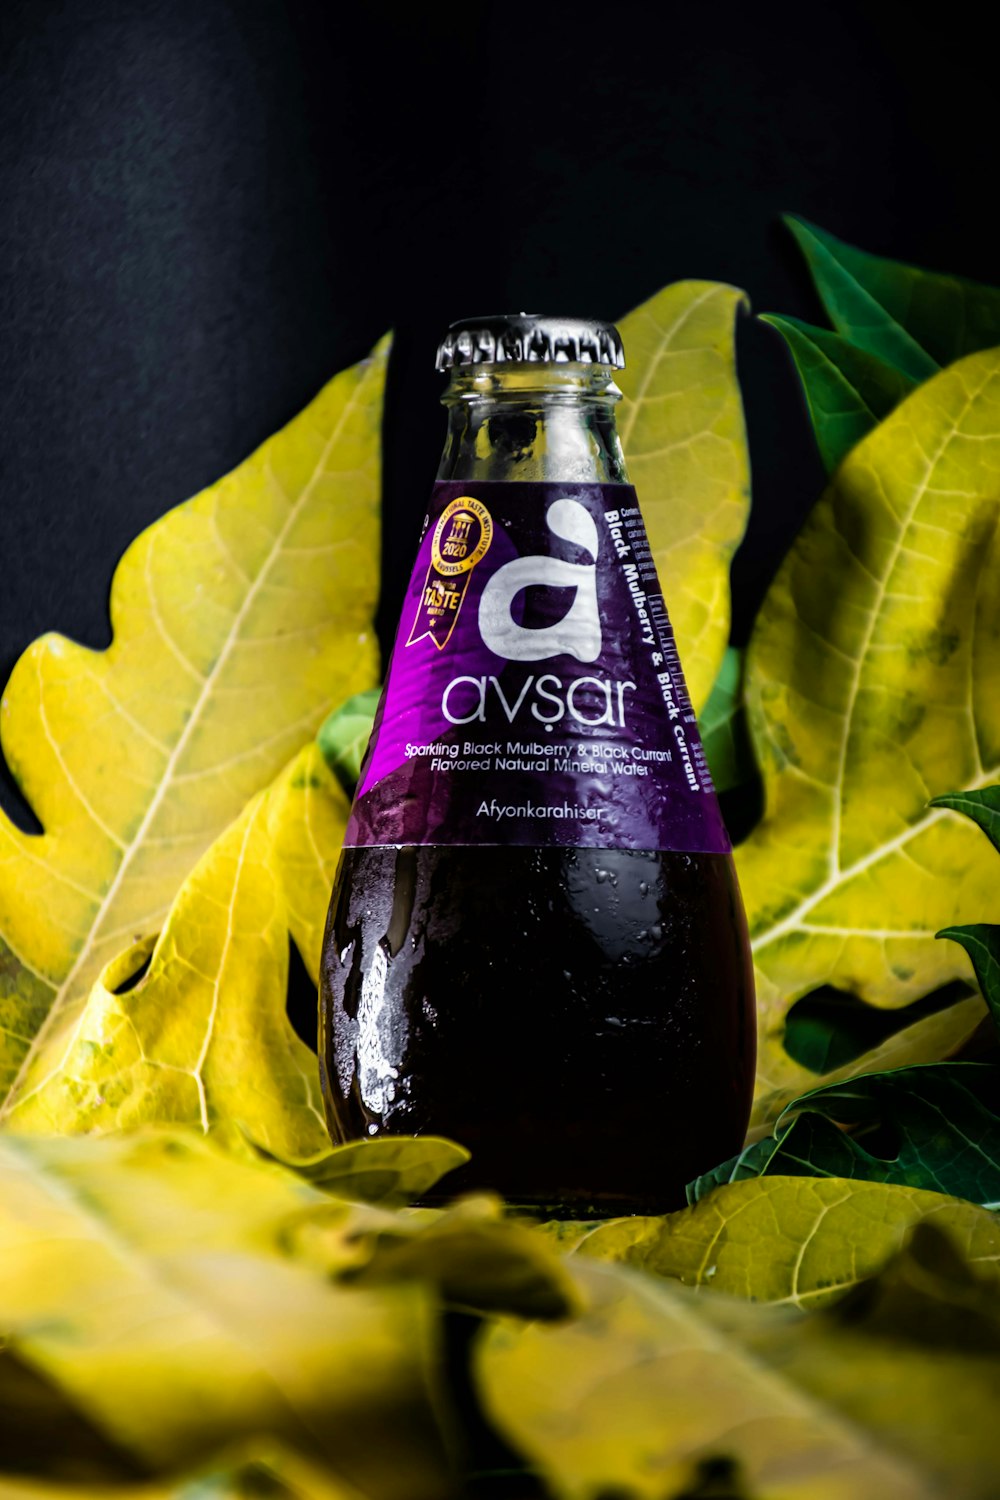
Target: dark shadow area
x=828 y=1027
x=33 y=1409
x=134 y=979
x=207 y=208
x=14 y=804
x=303 y=1000
x=493 y=1469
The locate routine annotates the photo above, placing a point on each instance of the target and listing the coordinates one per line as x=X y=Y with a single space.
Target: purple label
x=534 y=695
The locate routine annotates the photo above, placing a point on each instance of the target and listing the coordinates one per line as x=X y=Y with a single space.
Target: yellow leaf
x=239 y=619
x=872 y=686
x=203 y=1038
x=682 y=431
x=155 y=1285
x=248 y=1472
x=797 y=1240
x=660 y=1393
x=643 y=1394
x=388 y=1170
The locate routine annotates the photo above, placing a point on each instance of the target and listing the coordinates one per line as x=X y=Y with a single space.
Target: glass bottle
x=536 y=943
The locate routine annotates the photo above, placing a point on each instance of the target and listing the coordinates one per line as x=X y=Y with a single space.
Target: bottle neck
x=533 y=422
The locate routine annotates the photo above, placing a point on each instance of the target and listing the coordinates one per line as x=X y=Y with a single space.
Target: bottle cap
x=531 y=338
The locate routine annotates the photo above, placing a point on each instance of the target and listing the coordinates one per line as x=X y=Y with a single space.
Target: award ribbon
x=461 y=539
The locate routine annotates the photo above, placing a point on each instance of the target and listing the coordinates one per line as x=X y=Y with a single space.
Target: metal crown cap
x=530 y=338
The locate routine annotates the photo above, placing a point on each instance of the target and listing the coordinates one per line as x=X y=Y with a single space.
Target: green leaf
x=753 y=1161
x=848 y=391
x=982 y=807
x=390 y=1171
x=683 y=434
x=723 y=727
x=828 y=1029
x=202 y=1036
x=795 y=1240
x=913 y=319
x=937 y=1128
x=660 y=1392
x=981 y=942
x=239 y=620
x=163 y=1292
x=872 y=684
x=343 y=737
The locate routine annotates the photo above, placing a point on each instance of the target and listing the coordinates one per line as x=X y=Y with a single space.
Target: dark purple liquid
x=582 y=1020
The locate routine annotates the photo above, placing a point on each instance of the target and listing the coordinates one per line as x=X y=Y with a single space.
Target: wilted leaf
x=387 y=1170
x=681 y=427
x=937 y=1129
x=239 y=619
x=203 y=1037
x=916 y=320
x=873 y=683
x=479 y=1261
x=797 y=1240
x=343 y=737
x=154 y=1283
x=655 y=1390
x=848 y=391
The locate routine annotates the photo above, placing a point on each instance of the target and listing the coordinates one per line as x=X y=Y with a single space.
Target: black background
x=207 y=207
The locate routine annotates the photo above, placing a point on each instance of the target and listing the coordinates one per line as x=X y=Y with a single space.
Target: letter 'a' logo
x=578 y=633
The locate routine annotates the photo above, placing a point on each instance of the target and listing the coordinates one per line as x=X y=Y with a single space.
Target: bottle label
x=534 y=695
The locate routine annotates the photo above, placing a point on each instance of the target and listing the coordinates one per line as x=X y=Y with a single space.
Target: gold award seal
x=461 y=539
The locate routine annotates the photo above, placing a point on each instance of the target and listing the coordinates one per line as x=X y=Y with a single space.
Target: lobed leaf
x=936 y=1128
x=203 y=1037
x=660 y=1392
x=238 y=620
x=157 y=1286
x=865 y=699
x=801 y=1241
x=682 y=431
